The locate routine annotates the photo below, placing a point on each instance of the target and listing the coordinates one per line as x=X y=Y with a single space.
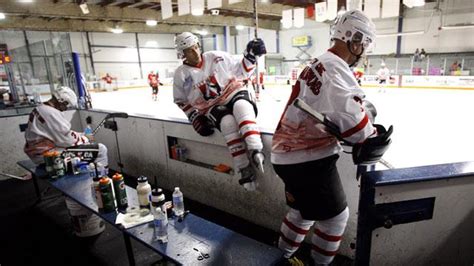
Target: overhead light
x=25 y=1
x=414 y=3
x=2 y=15
x=202 y=32
x=84 y=8
x=401 y=34
x=458 y=27
x=239 y=27
x=117 y=30
x=151 y=22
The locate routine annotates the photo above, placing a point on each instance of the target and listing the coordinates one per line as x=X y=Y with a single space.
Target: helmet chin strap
x=358 y=56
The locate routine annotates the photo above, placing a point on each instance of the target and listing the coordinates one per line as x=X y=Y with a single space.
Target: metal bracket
x=111 y=125
x=402 y=212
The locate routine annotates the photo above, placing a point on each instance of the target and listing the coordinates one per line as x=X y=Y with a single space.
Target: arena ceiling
x=130 y=15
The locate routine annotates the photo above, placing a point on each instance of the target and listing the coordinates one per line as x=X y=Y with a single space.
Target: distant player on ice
x=209 y=88
x=383 y=74
x=153 y=81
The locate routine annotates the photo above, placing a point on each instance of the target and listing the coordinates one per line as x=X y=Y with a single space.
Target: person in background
x=153 y=80
x=254 y=82
x=209 y=88
x=423 y=54
x=304 y=154
x=108 y=82
x=416 y=55
x=383 y=74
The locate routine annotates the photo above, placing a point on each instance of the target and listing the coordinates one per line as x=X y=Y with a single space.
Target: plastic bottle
x=96 y=193
x=91 y=170
x=161 y=225
x=88 y=130
x=158 y=199
x=178 y=202
x=120 y=192
x=144 y=192
x=107 y=193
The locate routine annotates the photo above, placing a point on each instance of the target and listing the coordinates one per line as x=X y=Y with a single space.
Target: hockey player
x=209 y=88
x=304 y=154
x=153 y=80
x=48 y=129
x=383 y=74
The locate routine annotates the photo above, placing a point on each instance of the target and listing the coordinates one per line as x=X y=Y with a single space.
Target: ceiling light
x=458 y=27
x=202 y=32
x=239 y=27
x=151 y=22
x=25 y=1
x=117 y=30
x=401 y=34
x=84 y=8
x=2 y=15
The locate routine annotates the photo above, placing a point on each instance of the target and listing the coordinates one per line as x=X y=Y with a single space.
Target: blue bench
x=186 y=239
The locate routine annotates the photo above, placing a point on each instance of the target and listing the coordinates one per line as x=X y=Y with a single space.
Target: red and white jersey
x=329 y=87
x=214 y=81
x=153 y=79
x=47 y=124
x=383 y=73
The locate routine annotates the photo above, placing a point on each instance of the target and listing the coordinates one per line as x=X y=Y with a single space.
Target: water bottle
x=161 y=225
x=144 y=192
x=178 y=202
x=91 y=170
x=88 y=133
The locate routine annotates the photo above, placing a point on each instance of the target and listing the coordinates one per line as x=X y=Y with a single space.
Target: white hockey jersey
x=328 y=86
x=383 y=73
x=47 y=129
x=214 y=81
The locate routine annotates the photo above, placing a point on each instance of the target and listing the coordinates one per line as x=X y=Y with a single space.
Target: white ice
x=431 y=126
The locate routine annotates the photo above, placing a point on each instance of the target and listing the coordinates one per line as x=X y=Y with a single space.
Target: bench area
x=187 y=239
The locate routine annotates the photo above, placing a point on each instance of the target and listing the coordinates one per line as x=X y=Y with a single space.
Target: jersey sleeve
x=60 y=131
x=241 y=68
x=182 y=86
x=348 y=113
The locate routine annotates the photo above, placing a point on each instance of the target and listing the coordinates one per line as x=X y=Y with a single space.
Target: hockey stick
x=108 y=116
x=257 y=80
x=331 y=127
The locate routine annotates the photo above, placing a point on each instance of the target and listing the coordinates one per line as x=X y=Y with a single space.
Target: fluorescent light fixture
x=401 y=34
x=151 y=22
x=2 y=15
x=414 y=3
x=117 y=30
x=25 y=1
x=458 y=27
x=84 y=8
x=201 y=32
x=239 y=27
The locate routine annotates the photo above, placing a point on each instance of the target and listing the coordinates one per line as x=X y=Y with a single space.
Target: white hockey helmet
x=183 y=41
x=382 y=64
x=354 y=26
x=66 y=95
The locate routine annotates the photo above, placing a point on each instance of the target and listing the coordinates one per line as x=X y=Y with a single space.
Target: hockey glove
x=255 y=48
x=372 y=150
x=203 y=125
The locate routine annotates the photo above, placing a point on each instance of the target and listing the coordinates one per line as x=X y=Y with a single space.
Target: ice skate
x=248 y=178
x=259 y=160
